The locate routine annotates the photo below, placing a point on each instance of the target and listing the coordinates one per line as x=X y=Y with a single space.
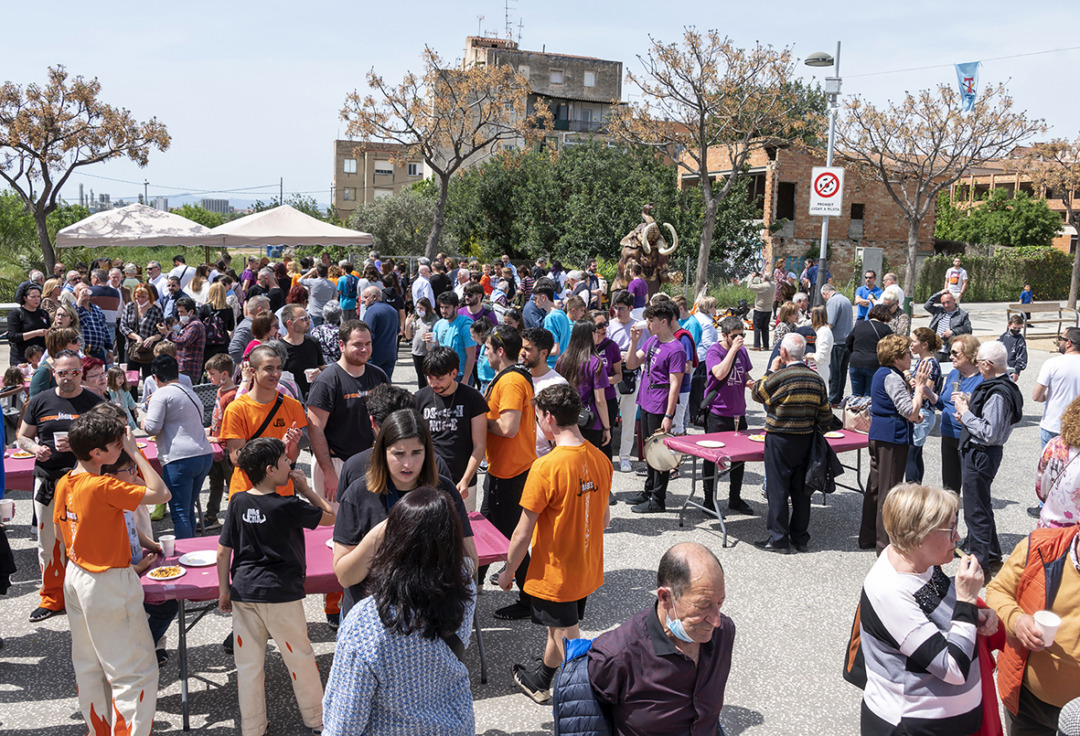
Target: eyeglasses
x=601 y=325
x=65 y=374
x=952 y=531
x=869 y=278
x=955 y=353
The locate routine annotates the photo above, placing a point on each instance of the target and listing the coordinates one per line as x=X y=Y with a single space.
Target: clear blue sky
x=251 y=92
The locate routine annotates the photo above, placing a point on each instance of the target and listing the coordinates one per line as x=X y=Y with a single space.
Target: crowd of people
x=542 y=383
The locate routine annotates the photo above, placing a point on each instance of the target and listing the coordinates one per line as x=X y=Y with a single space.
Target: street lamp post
x=832 y=90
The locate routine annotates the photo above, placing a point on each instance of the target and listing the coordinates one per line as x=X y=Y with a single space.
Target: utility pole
x=146 y=190
x=281 y=191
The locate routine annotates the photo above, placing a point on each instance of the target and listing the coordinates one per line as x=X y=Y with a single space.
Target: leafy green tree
x=199 y=214
x=400 y=224
x=1006 y=220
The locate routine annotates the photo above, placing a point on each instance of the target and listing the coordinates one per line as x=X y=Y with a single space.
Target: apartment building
x=364 y=171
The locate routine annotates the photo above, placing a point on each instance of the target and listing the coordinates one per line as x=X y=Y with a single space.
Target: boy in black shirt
x=263 y=536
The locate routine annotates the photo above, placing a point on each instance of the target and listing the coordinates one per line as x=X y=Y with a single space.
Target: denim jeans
x=185 y=478
x=861 y=380
x=160 y=615
x=1045 y=435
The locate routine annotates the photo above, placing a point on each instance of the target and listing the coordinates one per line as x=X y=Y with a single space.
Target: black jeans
x=951 y=474
x=656 y=482
x=1033 y=717
x=980 y=465
x=761 y=329
x=502 y=507
x=220 y=475
x=418 y=365
x=717 y=423
x=838 y=372
x=786 y=460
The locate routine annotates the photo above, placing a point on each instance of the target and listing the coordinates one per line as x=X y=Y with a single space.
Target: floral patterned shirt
x=1057 y=484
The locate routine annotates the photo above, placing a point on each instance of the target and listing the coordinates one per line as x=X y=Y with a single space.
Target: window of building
x=586 y=115
x=785 y=200
x=857 y=211
x=556 y=76
x=523 y=70
x=384 y=167
x=380 y=193
x=348 y=194
x=416 y=169
x=350 y=166
x=590 y=79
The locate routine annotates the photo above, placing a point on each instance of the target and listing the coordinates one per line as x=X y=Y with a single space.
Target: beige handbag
x=857 y=414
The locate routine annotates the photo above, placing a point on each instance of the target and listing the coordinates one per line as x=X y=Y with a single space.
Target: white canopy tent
x=285 y=225
x=135 y=225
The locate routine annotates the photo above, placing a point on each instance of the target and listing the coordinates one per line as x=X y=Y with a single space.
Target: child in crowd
x=925 y=343
x=13 y=400
x=112 y=651
x=1027 y=296
x=264 y=540
x=485 y=374
x=33 y=355
x=219 y=369
x=120 y=394
x=1015 y=346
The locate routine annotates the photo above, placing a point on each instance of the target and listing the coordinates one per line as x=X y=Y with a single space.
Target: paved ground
x=792 y=613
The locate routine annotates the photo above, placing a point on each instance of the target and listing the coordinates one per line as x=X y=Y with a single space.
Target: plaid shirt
x=96 y=332
x=191 y=342
x=144 y=327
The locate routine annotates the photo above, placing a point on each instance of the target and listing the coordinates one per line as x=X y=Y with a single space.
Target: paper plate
x=330 y=543
x=174 y=572
x=20 y=454
x=202 y=558
x=834 y=435
x=140 y=445
x=756 y=437
x=709 y=443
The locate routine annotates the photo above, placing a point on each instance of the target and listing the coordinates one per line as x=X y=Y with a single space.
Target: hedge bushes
x=1001 y=276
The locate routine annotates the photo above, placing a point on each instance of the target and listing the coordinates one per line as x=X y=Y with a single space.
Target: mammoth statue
x=645 y=245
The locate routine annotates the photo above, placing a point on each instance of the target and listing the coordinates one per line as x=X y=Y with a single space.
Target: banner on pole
x=967 y=75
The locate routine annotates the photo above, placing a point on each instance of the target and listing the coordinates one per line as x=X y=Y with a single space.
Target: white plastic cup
x=7 y=510
x=1048 y=622
x=168 y=544
x=57 y=436
x=310 y=373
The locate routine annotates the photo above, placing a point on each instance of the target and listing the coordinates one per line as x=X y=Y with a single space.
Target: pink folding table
x=738 y=447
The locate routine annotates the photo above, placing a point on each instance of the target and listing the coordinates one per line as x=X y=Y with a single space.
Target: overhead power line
x=949 y=66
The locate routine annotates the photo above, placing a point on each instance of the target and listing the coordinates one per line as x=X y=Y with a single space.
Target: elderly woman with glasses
x=917 y=628
x=963 y=379
x=988 y=417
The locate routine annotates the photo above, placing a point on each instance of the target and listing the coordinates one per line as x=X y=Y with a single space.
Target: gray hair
x=37 y=276
x=890 y=277
x=800 y=297
x=795 y=345
x=279 y=348
x=730 y=324
x=374 y=291
x=100 y=274
x=344 y=264
x=424 y=261
x=995 y=353
x=131 y=268
x=891 y=293
x=72 y=274
x=267 y=272
x=153 y=264
x=827 y=288
x=252 y=306
x=331 y=312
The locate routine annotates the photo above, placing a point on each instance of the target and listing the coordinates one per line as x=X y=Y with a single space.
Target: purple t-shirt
x=640 y=290
x=609 y=355
x=484 y=312
x=593 y=376
x=730 y=400
x=667 y=358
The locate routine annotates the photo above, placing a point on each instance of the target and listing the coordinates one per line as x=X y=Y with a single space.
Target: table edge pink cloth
x=740 y=448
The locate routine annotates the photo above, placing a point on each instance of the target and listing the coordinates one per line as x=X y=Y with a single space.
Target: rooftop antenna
x=520 y=26
x=509 y=23
x=479 y=25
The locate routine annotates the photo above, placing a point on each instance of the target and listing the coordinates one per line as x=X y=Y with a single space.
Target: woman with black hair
x=402 y=460
x=28 y=324
x=585 y=373
x=397 y=666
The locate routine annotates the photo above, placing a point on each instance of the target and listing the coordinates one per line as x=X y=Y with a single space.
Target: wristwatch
x=669 y=416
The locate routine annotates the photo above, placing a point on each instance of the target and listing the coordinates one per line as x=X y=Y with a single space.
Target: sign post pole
x=832 y=88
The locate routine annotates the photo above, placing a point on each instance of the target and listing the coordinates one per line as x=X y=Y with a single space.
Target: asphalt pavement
x=792 y=613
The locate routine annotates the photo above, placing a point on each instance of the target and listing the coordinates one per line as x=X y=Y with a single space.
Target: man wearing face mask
x=1015 y=346
x=664 y=671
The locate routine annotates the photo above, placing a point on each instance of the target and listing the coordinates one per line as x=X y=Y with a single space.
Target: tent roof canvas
x=285 y=225
x=134 y=225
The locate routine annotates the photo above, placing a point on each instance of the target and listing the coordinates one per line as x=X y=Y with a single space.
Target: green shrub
x=1001 y=276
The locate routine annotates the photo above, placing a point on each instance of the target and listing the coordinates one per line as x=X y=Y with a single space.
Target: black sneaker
x=652 y=506
x=227 y=645
x=41 y=613
x=333 y=620
x=1034 y=511
x=531 y=683
x=162 y=656
x=513 y=612
x=639 y=497
x=739 y=506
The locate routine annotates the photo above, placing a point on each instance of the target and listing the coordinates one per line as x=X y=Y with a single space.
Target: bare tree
x=445 y=117
x=707 y=95
x=922 y=145
x=1054 y=168
x=46 y=133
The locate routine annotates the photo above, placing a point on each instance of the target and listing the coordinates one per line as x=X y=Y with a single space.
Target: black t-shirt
x=356 y=467
x=307 y=354
x=348 y=428
x=450 y=420
x=50 y=414
x=265 y=533
x=256 y=289
x=276 y=297
x=360 y=510
x=393 y=298
x=440 y=282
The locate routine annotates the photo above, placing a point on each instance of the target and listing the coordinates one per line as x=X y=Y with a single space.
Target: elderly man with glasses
x=947 y=319
x=987 y=418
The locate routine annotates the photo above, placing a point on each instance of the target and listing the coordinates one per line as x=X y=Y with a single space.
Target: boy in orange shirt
x=112 y=651
x=564 y=511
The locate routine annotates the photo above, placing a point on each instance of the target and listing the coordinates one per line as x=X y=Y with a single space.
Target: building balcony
x=578 y=126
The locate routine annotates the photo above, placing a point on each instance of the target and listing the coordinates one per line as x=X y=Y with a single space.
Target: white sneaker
x=624 y=466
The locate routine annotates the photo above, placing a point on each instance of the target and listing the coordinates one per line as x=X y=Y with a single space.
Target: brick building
x=780 y=184
x=362 y=175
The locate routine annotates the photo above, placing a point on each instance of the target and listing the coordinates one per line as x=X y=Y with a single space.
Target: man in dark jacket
x=947 y=319
x=988 y=417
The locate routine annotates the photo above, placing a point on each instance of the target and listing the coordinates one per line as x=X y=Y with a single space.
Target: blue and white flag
x=968 y=77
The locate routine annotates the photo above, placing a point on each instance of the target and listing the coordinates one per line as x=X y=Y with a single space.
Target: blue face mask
x=675 y=625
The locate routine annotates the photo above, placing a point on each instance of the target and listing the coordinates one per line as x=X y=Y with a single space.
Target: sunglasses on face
x=65 y=374
x=601 y=325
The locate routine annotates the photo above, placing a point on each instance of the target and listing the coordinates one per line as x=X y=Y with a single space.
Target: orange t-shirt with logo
x=90 y=511
x=511 y=456
x=245 y=415
x=568 y=488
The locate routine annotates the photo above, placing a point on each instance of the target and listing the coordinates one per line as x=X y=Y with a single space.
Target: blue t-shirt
x=558 y=324
x=864 y=293
x=691 y=325
x=484 y=371
x=949 y=426
x=347 y=288
x=1026 y=297
x=457 y=336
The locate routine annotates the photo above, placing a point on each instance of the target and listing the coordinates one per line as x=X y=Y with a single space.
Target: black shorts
x=557 y=615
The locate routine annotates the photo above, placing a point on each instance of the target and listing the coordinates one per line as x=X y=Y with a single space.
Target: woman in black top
x=28 y=324
x=862 y=344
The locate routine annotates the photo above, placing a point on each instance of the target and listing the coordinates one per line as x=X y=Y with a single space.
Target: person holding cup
x=1039 y=669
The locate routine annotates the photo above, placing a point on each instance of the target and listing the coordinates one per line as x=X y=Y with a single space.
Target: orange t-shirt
x=245 y=415
x=511 y=456
x=568 y=488
x=295 y=280
x=90 y=511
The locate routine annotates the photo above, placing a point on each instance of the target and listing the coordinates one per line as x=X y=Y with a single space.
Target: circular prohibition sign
x=827 y=184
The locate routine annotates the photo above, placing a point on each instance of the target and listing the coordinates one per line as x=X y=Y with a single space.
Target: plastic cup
x=7 y=510
x=168 y=544
x=309 y=374
x=1048 y=622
